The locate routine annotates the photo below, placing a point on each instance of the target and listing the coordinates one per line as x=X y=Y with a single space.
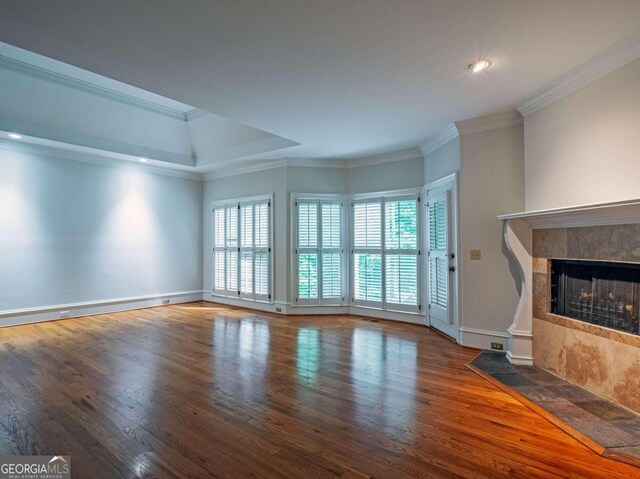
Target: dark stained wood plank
x=202 y=390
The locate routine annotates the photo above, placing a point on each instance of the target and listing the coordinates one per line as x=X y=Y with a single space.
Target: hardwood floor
x=200 y=390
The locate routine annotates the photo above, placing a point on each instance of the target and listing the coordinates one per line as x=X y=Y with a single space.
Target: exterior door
x=441 y=263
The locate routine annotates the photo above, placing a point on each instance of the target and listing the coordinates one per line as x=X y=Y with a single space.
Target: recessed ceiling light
x=143 y=160
x=479 y=66
x=15 y=136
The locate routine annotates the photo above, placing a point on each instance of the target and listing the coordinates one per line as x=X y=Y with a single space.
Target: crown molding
x=195 y=114
x=268 y=165
x=94 y=157
x=318 y=162
x=392 y=157
x=87 y=87
x=342 y=163
x=445 y=136
x=500 y=119
x=597 y=67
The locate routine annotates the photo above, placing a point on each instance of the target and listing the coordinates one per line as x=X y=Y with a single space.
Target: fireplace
x=597 y=292
x=582 y=300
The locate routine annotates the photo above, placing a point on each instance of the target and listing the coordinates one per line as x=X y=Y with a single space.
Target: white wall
x=491 y=183
x=397 y=175
x=443 y=161
x=79 y=232
x=585 y=148
x=490 y=166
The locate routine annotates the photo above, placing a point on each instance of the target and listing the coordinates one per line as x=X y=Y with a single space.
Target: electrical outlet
x=166 y=301
x=64 y=314
x=497 y=346
x=278 y=309
x=475 y=254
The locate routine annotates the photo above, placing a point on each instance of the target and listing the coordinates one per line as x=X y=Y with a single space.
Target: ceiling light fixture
x=143 y=160
x=479 y=66
x=15 y=136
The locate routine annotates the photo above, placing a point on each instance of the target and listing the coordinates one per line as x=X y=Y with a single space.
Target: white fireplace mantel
x=518 y=229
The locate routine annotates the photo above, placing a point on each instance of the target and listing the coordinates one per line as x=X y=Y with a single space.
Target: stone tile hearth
x=614 y=428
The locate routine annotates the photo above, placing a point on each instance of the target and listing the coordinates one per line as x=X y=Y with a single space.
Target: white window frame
x=319 y=199
x=383 y=198
x=239 y=203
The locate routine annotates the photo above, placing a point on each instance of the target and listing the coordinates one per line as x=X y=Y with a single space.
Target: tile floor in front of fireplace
x=614 y=428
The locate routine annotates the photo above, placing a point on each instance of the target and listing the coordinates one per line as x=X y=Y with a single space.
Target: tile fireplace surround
x=601 y=360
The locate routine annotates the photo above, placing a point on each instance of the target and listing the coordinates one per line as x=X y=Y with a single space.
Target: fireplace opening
x=602 y=293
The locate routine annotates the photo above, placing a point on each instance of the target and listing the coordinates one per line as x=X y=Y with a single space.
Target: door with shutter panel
x=440 y=264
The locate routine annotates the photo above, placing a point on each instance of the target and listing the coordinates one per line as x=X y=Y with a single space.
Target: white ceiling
x=342 y=78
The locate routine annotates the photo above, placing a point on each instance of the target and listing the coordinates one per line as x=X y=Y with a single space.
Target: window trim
x=384 y=197
x=238 y=202
x=344 y=232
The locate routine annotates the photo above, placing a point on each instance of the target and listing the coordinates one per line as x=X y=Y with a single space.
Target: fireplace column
x=517 y=236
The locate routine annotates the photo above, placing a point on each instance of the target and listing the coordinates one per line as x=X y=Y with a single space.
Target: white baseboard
x=289 y=309
x=482 y=338
x=241 y=303
x=390 y=315
x=519 y=360
x=314 y=310
x=90 y=308
x=520 y=347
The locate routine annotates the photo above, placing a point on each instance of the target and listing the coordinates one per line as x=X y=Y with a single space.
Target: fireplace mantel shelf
x=614 y=213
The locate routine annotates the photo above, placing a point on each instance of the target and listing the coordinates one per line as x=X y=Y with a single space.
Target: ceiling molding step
x=43 y=74
x=597 y=67
x=448 y=134
x=233 y=152
x=95 y=143
x=96 y=158
x=500 y=119
x=269 y=165
x=391 y=157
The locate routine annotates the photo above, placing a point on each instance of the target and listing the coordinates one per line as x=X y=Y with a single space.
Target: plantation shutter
x=319 y=251
x=385 y=253
x=219 y=253
x=401 y=253
x=367 y=252
x=331 y=251
x=242 y=250
x=246 y=250
x=307 y=248
x=438 y=270
x=231 y=246
x=262 y=251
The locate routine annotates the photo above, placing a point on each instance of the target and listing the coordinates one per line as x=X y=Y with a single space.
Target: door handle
x=452 y=269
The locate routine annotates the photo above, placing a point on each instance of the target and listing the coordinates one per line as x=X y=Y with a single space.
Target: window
x=385 y=253
x=242 y=249
x=319 y=251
